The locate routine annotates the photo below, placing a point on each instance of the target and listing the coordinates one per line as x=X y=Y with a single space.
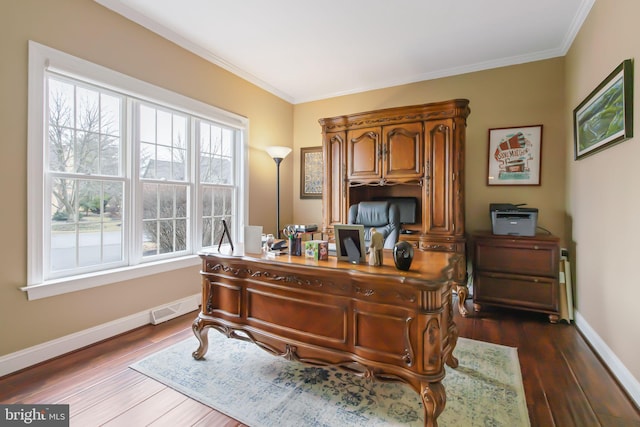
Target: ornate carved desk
x=378 y=322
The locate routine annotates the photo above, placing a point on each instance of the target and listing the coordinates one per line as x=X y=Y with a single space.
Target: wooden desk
x=378 y=322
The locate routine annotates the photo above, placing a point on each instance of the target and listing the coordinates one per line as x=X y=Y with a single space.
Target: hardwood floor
x=565 y=382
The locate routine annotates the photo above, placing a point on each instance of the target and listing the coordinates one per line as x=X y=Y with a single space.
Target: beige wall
x=603 y=201
x=85 y=29
x=520 y=95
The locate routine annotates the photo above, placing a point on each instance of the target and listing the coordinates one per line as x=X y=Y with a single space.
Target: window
x=84 y=178
x=125 y=178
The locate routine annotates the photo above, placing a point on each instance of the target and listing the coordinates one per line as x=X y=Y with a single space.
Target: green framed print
x=605 y=117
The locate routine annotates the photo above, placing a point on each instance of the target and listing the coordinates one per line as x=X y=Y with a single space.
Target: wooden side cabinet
x=516 y=272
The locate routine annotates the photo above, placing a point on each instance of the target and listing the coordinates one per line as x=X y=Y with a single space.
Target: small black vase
x=403 y=255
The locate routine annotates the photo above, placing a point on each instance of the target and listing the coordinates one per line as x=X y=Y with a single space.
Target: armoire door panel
x=334 y=179
x=438 y=159
x=402 y=151
x=363 y=153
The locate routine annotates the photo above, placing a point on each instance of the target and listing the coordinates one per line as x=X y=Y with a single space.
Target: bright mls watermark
x=34 y=415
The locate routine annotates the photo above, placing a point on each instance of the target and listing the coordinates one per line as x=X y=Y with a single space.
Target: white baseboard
x=626 y=379
x=39 y=353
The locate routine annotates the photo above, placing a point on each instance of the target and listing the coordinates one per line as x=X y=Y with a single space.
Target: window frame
x=43 y=59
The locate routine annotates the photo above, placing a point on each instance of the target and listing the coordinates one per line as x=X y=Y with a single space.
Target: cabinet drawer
x=432 y=246
x=517 y=291
x=540 y=259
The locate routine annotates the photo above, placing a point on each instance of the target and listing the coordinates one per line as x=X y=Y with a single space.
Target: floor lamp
x=278 y=154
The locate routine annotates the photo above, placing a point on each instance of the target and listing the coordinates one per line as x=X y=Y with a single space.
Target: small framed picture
x=515 y=155
x=311 y=173
x=350 y=242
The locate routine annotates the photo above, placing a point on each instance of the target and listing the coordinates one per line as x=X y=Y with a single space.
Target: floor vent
x=163 y=314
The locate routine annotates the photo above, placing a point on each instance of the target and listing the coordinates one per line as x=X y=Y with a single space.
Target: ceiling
x=304 y=51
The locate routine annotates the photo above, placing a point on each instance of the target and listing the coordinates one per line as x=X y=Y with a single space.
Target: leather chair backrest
x=382 y=215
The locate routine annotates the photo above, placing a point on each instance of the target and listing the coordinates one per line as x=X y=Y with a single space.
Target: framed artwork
x=311 y=173
x=515 y=155
x=350 y=241
x=605 y=117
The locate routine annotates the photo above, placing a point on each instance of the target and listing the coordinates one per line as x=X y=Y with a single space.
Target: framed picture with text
x=515 y=155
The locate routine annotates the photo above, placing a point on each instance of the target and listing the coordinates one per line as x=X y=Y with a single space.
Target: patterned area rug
x=261 y=390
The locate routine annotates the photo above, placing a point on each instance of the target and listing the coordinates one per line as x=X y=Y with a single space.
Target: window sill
x=88 y=281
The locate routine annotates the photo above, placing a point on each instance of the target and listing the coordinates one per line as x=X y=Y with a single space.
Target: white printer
x=513 y=220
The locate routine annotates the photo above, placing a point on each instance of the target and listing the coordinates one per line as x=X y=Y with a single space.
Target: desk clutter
x=316 y=249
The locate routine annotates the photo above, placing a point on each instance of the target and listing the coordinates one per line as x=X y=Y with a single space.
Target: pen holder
x=295 y=246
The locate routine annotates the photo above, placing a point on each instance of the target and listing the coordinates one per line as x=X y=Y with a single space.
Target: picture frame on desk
x=605 y=117
x=515 y=155
x=311 y=173
x=353 y=232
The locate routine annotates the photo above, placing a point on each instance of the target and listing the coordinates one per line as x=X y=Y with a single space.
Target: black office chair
x=384 y=216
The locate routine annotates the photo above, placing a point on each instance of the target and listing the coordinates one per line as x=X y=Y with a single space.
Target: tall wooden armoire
x=414 y=152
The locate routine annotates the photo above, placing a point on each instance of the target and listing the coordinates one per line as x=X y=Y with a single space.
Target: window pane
x=163 y=164
x=228 y=203
x=165 y=198
x=87 y=152
x=113 y=197
x=179 y=164
x=163 y=130
x=216 y=140
x=87 y=109
x=86 y=223
x=216 y=206
x=61 y=105
x=110 y=156
x=110 y=108
x=207 y=232
x=150 y=238
x=165 y=155
x=83 y=129
x=227 y=141
x=62 y=253
x=205 y=138
x=216 y=154
x=179 y=131
x=112 y=219
x=147 y=124
x=147 y=160
x=63 y=200
x=181 y=201
x=89 y=244
x=165 y=227
x=181 y=235
x=166 y=236
x=218 y=203
x=61 y=143
x=207 y=205
x=149 y=201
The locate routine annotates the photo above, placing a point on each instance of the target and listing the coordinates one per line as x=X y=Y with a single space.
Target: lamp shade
x=278 y=152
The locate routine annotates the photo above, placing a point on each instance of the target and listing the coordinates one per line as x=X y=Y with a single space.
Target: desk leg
x=200 y=331
x=463 y=292
x=434 y=399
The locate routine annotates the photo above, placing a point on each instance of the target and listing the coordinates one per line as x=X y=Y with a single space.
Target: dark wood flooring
x=565 y=382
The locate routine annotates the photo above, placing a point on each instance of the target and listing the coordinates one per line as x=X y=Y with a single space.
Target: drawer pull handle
x=536 y=247
x=535 y=280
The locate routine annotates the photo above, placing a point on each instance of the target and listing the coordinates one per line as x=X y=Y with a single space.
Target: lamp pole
x=278 y=160
x=278 y=154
